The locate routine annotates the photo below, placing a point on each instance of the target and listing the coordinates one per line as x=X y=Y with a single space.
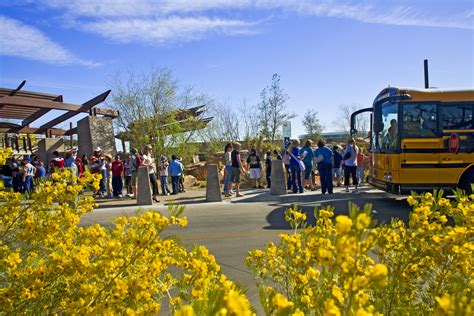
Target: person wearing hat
x=28 y=174
x=164 y=176
x=69 y=161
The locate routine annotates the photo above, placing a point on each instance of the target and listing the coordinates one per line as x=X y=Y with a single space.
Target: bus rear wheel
x=466 y=181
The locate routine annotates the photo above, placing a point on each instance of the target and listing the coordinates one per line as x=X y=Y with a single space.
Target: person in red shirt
x=56 y=163
x=80 y=167
x=117 y=177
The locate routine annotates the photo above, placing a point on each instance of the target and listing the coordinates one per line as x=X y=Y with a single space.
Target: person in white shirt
x=149 y=162
x=28 y=174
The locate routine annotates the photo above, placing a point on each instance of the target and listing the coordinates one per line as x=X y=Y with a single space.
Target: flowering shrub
x=49 y=264
x=5 y=154
x=347 y=266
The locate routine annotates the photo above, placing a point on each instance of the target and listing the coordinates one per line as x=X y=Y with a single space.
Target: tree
x=343 y=120
x=154 y=109
x=249 y=121
x=312 y=125
x=273 y=109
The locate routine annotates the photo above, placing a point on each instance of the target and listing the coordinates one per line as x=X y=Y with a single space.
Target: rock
x=144 y=196
x=278 y=178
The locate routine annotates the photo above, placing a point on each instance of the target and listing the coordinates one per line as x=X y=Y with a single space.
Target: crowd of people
x=119 y=174
x=334 y=166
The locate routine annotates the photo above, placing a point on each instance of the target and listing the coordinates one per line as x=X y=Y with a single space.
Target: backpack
x=137 y=161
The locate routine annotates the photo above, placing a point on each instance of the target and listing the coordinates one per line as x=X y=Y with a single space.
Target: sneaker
x=120 y=196
x=347 y=189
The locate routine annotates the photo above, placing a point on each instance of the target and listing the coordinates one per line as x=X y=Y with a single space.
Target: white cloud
x=171 y=29
x=24 y=41
x=360 y=11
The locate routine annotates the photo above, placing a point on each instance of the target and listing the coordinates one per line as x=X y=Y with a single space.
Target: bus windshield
x=387 y=138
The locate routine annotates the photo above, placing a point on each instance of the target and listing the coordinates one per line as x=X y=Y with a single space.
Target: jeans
x=27 y=184
x=154 y=184
x=296 y=179
x=325 y=174
x=348 y=172
x=228 y=172
x=268 y=176
x=175 y=184
x=360 y=174
x=164 y=185
x=103 y=181
x=117 y=185
x=288 y=176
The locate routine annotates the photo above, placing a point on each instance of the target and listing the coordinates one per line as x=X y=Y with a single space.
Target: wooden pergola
x=29 y=106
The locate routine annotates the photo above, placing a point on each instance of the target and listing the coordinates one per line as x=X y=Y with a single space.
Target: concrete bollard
x=213 y=188
x=278 y=178
x=144 y=187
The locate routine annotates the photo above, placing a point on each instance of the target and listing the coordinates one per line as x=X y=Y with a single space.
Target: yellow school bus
x=422 y=140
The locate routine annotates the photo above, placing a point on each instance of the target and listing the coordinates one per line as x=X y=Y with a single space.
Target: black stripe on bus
x=435 y=150
x=435 y=165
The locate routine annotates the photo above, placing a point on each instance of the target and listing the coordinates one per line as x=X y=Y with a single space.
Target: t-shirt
x=307 y=153
x=117 y=168
x=228 y=158
x=149 y=162
x=254 y=161
x=296 y=152
x=352 y=160
x=69 y=162
x=58 y=162
x=326 y=153
x=29 y=170
x=337 y=159
x=360 y=159
x=135 y=162
x=268 y=164
x=235 y=162
x=40 y=172
x=164 y=169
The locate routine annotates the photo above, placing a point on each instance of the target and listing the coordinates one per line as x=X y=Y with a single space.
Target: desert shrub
x=348 y=266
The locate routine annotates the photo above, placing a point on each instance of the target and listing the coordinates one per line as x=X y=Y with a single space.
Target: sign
x=454 y=143
x=287 y=129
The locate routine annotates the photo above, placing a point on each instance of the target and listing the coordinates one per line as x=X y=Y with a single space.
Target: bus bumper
x=384 y=185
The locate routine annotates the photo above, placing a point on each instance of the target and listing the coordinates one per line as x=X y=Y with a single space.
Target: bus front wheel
x=466 y=181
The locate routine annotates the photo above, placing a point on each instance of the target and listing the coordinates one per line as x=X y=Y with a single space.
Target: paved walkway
x=231 y=228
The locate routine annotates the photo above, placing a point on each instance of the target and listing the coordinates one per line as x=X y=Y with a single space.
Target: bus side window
x=457 y=116
x=419 y=120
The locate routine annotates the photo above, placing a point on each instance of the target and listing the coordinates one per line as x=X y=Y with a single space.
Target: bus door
x=420 y=145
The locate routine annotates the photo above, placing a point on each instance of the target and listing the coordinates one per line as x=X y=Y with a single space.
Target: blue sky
x=327 y=52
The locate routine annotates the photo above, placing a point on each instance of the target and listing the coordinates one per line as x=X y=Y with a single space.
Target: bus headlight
x=388 y=176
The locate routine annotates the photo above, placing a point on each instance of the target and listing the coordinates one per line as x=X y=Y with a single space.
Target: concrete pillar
x=47 y=146
x=94 y=131
x=213 y=188
x=278 y=178
x=144 y=196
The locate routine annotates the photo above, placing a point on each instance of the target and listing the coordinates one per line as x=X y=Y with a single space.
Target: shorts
x=336 y=172
x=255 y=173
x=134 y=178
x=235 y=175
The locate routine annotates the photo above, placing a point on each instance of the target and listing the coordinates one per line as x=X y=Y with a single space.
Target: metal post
x=427 y=83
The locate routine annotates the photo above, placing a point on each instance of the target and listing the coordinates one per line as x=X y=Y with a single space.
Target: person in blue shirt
x=175 y=169
x=324 y=156
x=295 y=167
x=307 y=156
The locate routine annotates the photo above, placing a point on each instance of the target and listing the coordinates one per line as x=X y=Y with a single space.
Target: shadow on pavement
x=384 y=207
